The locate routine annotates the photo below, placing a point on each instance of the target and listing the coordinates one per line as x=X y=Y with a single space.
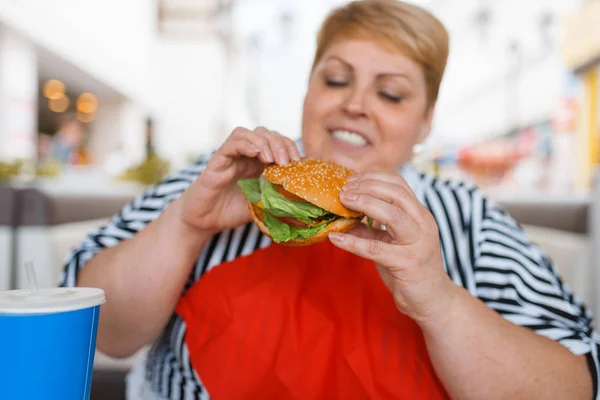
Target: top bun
x=318 y=182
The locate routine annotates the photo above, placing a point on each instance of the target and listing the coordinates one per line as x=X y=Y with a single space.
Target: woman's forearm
x=143 y=279
x=477 y=354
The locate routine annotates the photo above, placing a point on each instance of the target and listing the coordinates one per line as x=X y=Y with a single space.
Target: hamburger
x=298 y=204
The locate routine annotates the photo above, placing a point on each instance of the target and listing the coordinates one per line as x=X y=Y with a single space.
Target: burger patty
x=296 y=223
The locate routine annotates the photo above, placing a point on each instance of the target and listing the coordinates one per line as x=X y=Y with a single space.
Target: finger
x=364 y=232
x=378 y=251
x=266 y=154
x=403 y=228
x=243 y=134
x=389 y=192
x=384 y=177
x=232 y=149
x=291 y=147
x=276 y=145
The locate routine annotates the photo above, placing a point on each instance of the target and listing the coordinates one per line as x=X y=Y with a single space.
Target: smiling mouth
x=351 y=138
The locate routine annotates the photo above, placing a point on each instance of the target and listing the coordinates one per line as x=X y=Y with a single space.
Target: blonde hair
x=413 y=30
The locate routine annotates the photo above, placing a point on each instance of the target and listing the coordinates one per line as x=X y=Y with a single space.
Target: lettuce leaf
x=276 y=204
x=251 y=189
x=282 y=232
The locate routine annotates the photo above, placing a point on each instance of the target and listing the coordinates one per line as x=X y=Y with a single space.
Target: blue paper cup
x=47 y=343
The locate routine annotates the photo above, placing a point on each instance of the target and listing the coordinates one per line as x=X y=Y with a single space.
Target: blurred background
x=100 y=98
x=94 y=87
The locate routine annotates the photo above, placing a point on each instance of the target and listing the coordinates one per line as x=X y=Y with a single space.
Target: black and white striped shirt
x=484 y=250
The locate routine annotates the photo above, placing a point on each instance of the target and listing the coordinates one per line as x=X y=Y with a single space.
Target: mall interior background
x=145 y=86
x=197 y=69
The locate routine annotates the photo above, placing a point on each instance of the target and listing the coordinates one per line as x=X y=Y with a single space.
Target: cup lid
x=47 y=301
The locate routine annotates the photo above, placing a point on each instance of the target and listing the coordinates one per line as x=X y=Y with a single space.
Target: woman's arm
x=479 y=355
x=143 y=278
x=144 y=256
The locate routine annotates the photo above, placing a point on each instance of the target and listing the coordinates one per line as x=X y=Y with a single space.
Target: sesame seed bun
x=339 y=225
x=318 y=182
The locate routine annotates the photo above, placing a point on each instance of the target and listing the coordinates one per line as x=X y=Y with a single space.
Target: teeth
x=350 y=137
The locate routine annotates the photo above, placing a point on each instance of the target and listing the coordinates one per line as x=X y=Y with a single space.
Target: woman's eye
x=390 y=97
x=336 y=83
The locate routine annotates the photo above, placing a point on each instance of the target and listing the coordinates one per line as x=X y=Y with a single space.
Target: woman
x=451 y=300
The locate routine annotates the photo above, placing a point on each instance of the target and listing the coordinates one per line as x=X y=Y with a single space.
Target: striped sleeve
x=517 y=279
x=131 y=219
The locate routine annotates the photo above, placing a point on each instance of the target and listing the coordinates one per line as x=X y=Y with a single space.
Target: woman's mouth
x=349 y=138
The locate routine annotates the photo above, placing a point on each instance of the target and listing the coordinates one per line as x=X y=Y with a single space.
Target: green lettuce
x=273 y=202
x=276 y=204
x=282 y=232
x=251 y=189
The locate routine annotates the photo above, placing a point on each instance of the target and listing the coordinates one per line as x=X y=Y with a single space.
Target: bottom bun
x=339 y=225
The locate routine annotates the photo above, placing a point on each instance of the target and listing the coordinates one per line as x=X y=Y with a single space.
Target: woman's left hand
x=407 y=254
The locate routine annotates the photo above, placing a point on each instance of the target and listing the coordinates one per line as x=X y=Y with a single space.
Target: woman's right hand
x=214 y=202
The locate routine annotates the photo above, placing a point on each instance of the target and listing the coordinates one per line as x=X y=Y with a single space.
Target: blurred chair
x=563 y=227
x=49 y=225
x=7 y=224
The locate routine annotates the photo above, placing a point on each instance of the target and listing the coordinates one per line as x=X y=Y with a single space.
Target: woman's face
x=366 y=106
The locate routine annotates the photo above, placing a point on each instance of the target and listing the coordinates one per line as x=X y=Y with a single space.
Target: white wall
x=109 y=39
x=18 y=97
x=187 y=95
x=117 y=137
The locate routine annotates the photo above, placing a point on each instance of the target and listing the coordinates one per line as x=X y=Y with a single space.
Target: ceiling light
x=54 y=89
x=87 y=103
x=59 y=105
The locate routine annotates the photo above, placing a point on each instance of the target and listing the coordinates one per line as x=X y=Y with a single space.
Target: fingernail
x=254 y=149
x=268 y=155
x=349 y=196
x=351 y=185
x=354 y=177
x=295 y=157
x=283 y=157
x=337 y=237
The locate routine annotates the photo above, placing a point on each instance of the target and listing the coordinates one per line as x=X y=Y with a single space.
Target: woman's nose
x=355 y=103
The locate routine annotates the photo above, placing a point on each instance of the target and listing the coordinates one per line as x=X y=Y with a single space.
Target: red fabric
x=303 y=323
